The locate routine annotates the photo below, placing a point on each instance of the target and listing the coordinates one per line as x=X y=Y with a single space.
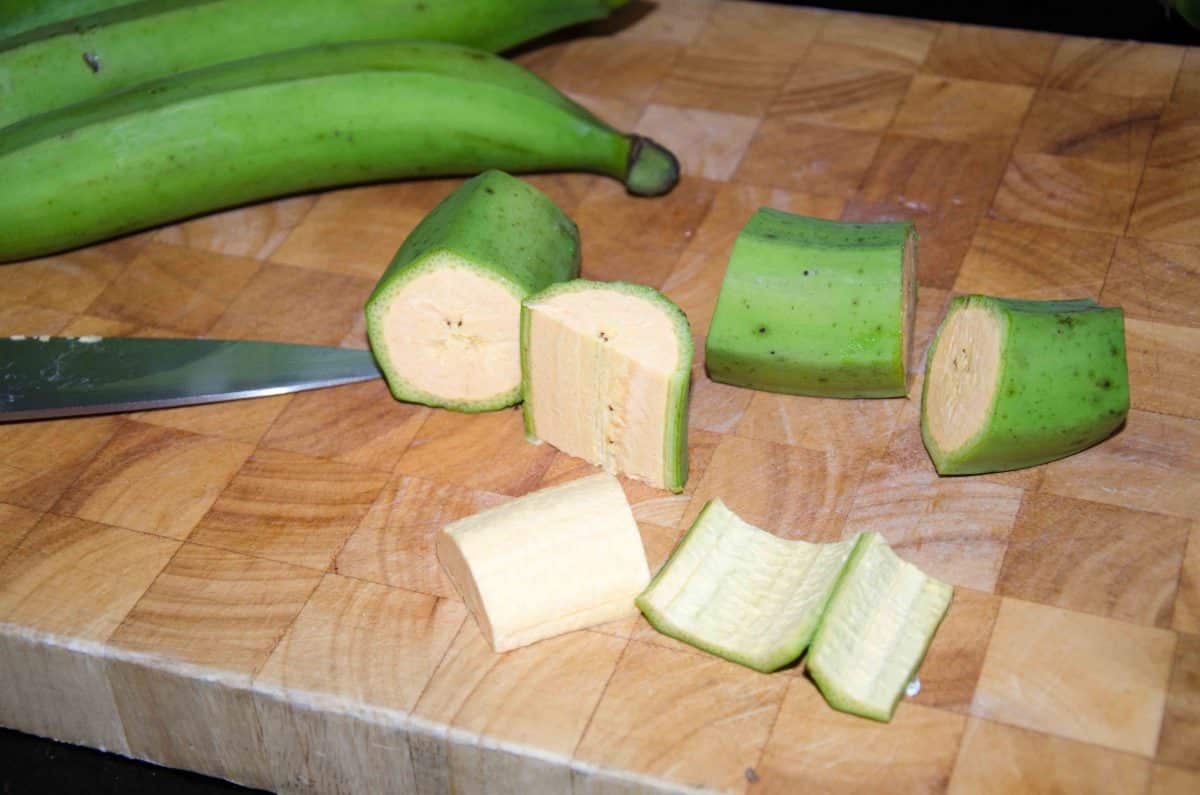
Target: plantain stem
x=653 y=170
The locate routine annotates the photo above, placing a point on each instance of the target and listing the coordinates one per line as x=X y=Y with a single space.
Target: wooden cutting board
x=249 y=589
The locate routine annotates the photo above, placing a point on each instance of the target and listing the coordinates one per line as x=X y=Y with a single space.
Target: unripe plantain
x=130 y=44
x=1012 y=384
x=233 y=134
x=19 y=16
x=445 y=318
x=816 y=307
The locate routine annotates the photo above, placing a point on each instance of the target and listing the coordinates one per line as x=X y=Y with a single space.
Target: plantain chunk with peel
x=878 y=625
x=606 y=368
x=444 y=320
x=560 y=559
x=742 y=593
x=816 y=307
x=1012 y=383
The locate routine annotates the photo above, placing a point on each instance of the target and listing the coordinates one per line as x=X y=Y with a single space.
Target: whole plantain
x=291 y=122
x=124 y=44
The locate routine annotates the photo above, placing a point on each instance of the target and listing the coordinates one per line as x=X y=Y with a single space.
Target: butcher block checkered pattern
x=250 y=589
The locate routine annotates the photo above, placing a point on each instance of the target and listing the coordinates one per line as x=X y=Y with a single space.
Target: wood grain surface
x=250 y=589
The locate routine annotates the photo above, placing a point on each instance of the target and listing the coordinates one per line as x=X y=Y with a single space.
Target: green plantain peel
x=816 y=307
x=1012 y=384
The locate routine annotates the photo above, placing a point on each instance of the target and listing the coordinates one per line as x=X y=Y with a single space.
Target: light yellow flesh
x=963 y=377
x=600 y=368
x=557 y=560
x=454 y=333
x=743 y=593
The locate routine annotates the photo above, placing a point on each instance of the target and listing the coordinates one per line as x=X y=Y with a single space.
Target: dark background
x=1144 y=20
x=30 y=765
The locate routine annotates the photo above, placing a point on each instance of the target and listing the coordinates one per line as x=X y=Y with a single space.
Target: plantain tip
x=653 y=170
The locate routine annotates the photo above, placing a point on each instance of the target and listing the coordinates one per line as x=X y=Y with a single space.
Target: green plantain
x=20 y=16
x=293 y=122
x=129 y=44
x=444 y=320
x=1015 y=383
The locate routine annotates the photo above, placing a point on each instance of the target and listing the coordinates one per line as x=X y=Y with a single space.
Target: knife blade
x=46 y=377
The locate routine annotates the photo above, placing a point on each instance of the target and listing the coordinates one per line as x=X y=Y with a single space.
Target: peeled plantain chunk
x=563 y=558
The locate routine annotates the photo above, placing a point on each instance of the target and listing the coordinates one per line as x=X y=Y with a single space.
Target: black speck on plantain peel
x=1014 y=383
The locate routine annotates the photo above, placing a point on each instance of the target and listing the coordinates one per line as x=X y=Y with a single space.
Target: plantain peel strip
x=875 y=631
x=744 y=594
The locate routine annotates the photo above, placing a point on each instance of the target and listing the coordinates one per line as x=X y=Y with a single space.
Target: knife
x=45 y=377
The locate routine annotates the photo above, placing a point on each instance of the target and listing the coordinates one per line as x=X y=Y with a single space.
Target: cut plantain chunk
x=815 y=307
x=1012 y=383
x=444 y=320
x=606 y=368
x=876 y=630
x=560 y=559
x=742 y=593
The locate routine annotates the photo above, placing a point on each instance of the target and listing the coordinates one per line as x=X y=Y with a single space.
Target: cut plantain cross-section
x=606 y=368
x=1012 y=383
x=444 y=321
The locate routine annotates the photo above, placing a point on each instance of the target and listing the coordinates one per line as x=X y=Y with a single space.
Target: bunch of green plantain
x=116 y=116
